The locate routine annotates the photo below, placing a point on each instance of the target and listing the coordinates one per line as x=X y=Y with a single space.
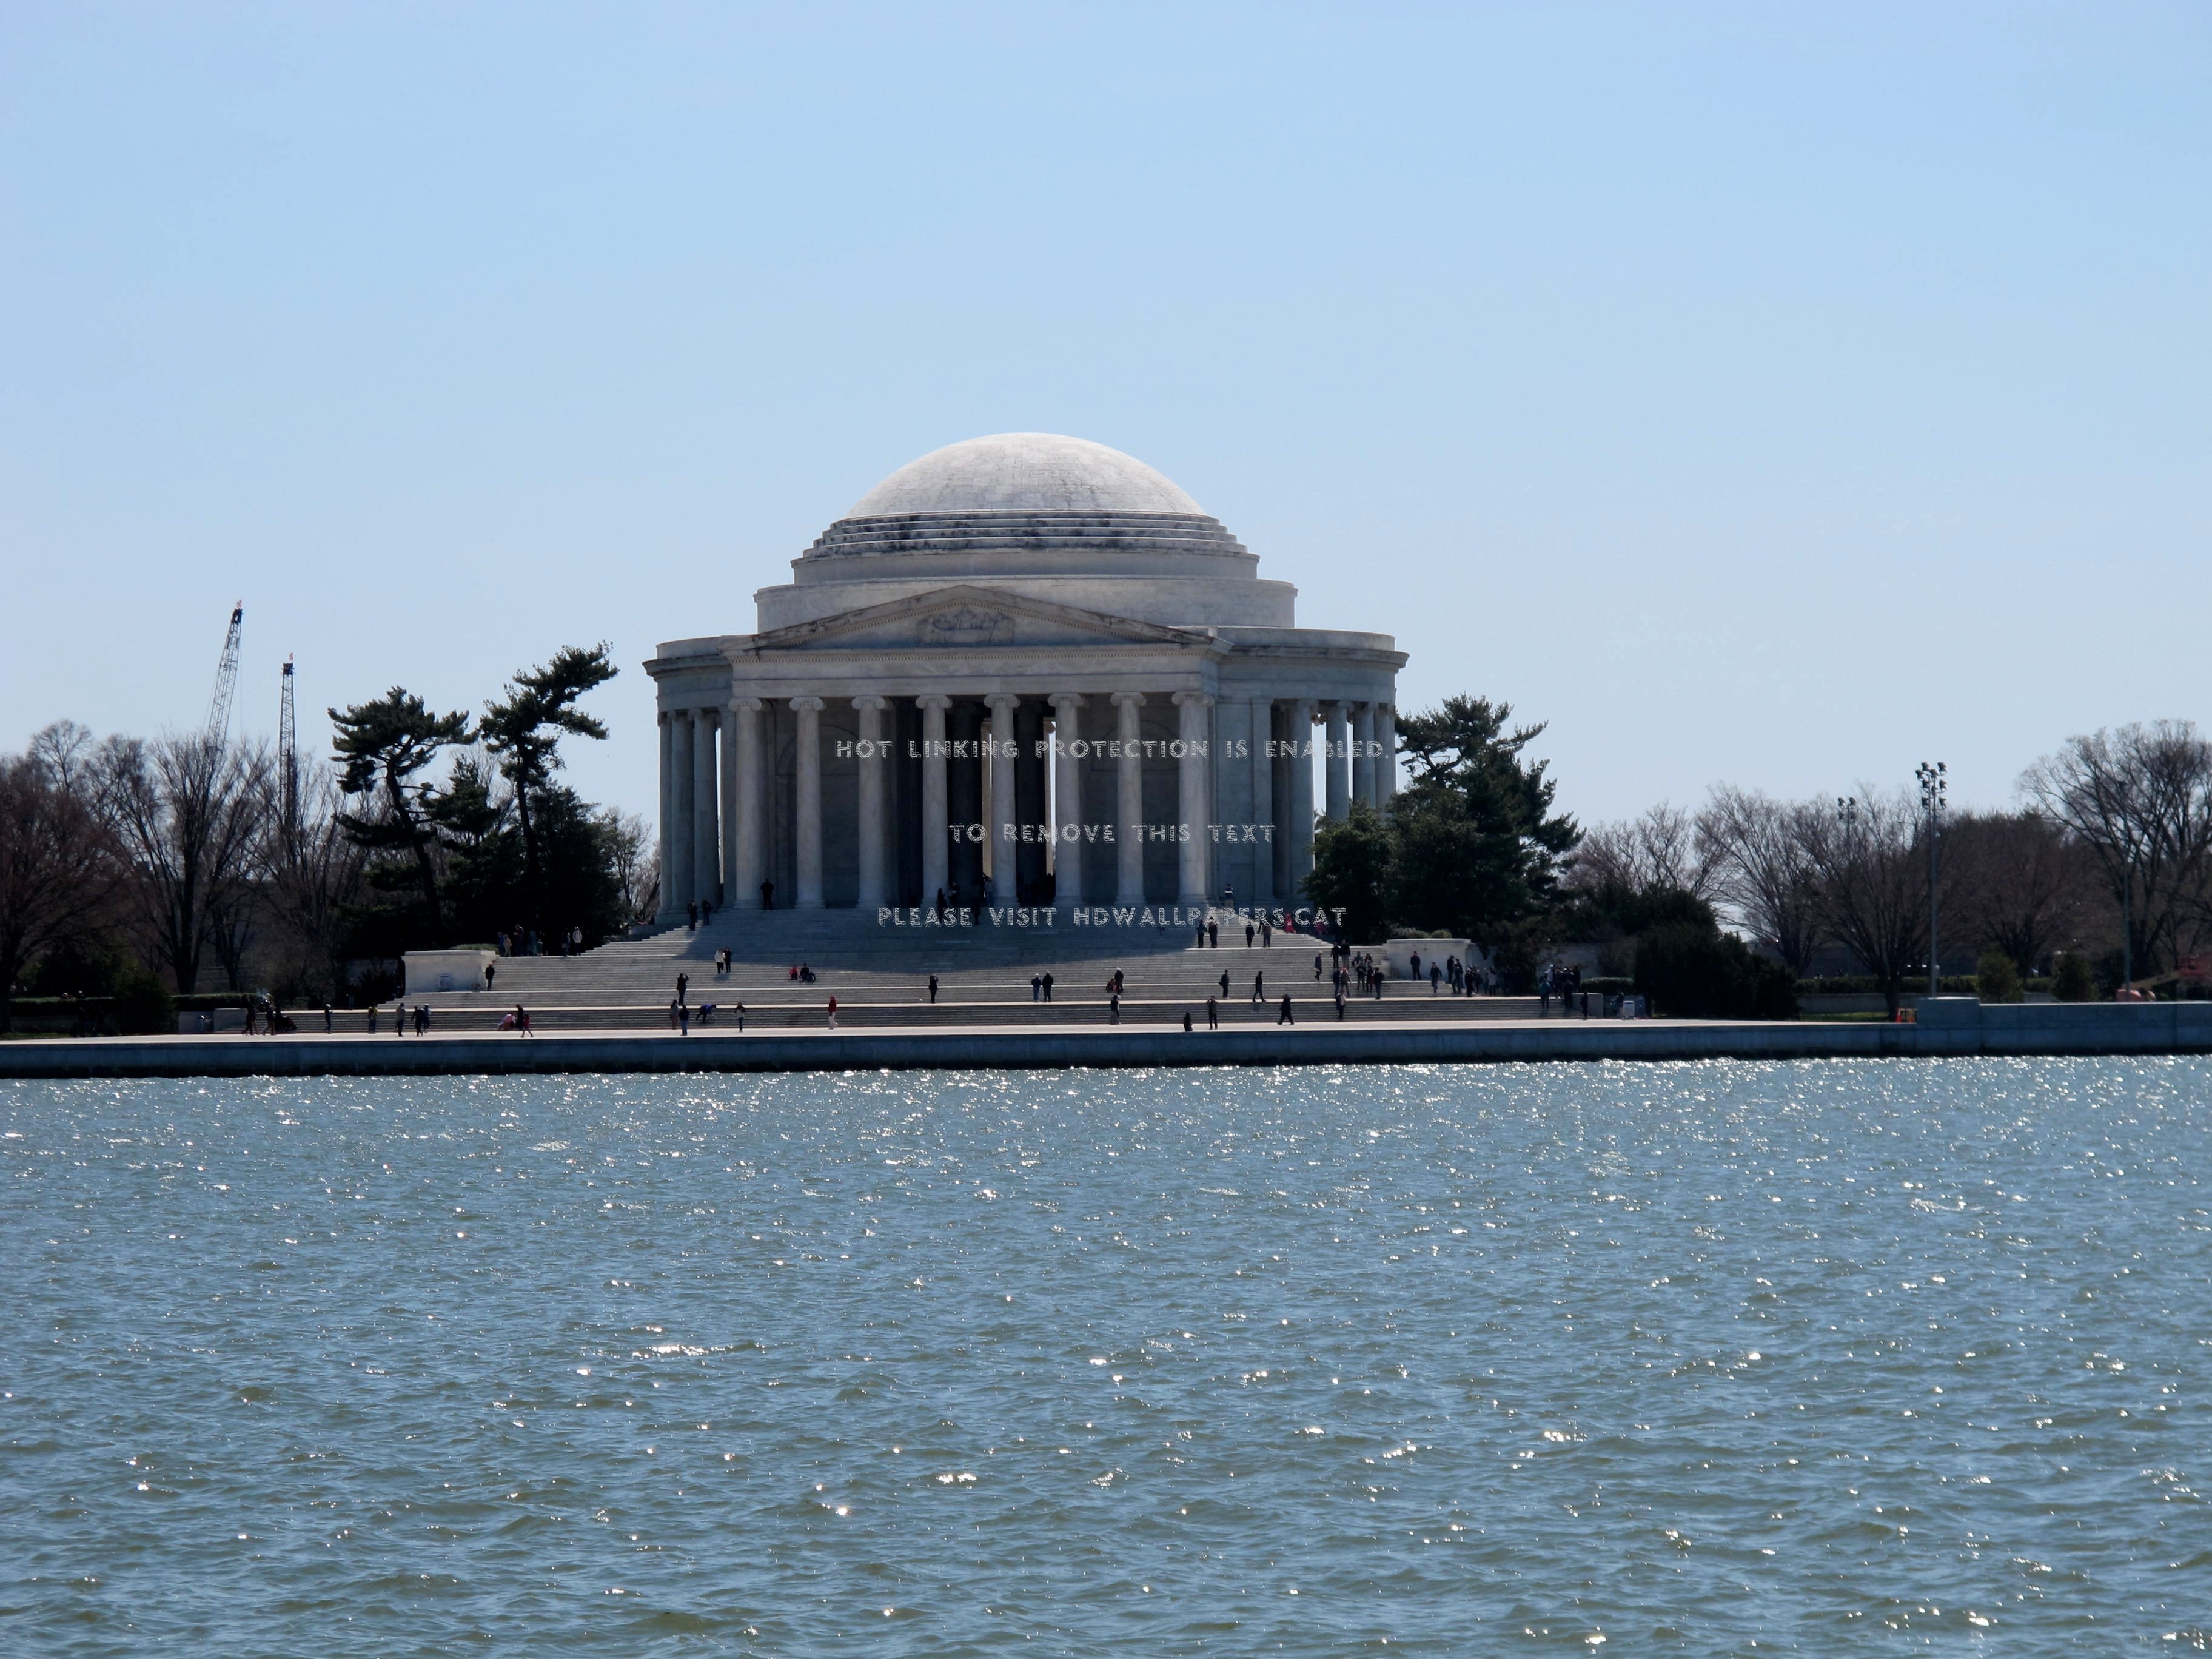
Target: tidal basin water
x=1711 y=1359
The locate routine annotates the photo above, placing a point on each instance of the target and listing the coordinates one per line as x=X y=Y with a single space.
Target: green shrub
x=1700 y=973
x=1996 y=979
x=2071 y=980
x=144 y=1007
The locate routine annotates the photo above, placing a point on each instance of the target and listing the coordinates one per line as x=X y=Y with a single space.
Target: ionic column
x=874 y=758
x=666 y=909
x=706 y=835
x=1263 y=892
x=1068 y=801
x=1192 y=795
x=1302 y=797
x=1363 y=754
x=936 y=827
x=1335 y=757
x=731 y=893
x=1130 y=803
x=746 y=862
x=1386 y=763
x=1005 y=821
x=680 y=872
x=808 y=714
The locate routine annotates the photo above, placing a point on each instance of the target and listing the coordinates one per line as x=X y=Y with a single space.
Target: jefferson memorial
x=1026 y=671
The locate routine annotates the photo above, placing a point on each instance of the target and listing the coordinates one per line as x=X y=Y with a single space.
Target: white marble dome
x=1024 y=472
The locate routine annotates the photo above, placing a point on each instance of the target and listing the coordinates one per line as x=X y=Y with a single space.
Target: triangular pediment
x=969 y=615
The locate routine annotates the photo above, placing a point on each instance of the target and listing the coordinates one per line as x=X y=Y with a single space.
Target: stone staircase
x=880 y=975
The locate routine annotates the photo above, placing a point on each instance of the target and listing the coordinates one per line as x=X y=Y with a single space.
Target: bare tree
x=188 y=813
x=636 y=860
x=1660 y=849
x=2022 y=885
x=57 y=869
x=2141 y=799
x=313 y=874
x=1761 y=851
x=1873 y=870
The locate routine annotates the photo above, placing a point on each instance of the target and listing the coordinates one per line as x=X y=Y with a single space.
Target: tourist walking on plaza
x=691 y=917
x=1037 y=988
x=522 y=1019
x=1114 y=1008
x=833 y=1013
x=1212 y=1015
x=1186 y=1019
x=1249 y=930
x=932 y=987
x=490 y=969
x=1285 y=1017
x=683 y=985
x=1224 y=981
x=1048 y=986
x=768 y=895
x=1259 y=988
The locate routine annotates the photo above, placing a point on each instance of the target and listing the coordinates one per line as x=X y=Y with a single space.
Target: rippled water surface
x=1686 y=1359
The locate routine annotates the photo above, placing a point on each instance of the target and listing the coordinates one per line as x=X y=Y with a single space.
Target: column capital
x=1067 y=700
x=934 y=700
x=806 y=705
x=1192 y=700
x=746 y=705
x=997 y=699
x=875 y=703
x=1127 y=699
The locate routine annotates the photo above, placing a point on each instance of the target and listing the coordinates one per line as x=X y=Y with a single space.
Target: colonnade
x=713 y=815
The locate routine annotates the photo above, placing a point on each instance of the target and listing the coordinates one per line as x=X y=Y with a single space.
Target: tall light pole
x=1933 y=786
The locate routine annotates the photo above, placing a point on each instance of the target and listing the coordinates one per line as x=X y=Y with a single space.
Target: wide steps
x=854 y=1015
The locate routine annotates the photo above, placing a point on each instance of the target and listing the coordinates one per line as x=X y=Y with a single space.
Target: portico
x=1026 y=667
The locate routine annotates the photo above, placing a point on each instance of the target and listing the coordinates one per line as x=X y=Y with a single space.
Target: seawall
x=1949 y=1026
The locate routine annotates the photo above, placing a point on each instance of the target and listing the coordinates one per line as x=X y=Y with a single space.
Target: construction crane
x=225 y=678
x=287 y=757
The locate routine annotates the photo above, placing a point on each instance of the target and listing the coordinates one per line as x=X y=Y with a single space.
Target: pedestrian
x=691 y=916
x=372 y=1019
x=932 y=987
x=1048 y=985
x=833 y=1013
x=329 y=1025
x=491 y=970
x=741 y=1017
x=1259 y=989
x=421 y=1020
x=1212 y=1015
x=683 y=986
x=1113 y=1008
x=1266 y=932
x=1249 y=931
x=1339 y=1002
x=1186 y=1020
x=1317 y=964
x=1436 y=973
x=768 y=895
x=1198 y=927
x=706 y=1013
x=706 y=915
x=1225 y=982
x=1286 y=1017
x=522 y=1019
x=939 y=911
x=673 y=1005
x=1213 y=935
x=1037 y=988
x=399 y=1020
x=684 y=1019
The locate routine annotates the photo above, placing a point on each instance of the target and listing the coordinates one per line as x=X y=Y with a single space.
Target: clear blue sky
x=1780 y=394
